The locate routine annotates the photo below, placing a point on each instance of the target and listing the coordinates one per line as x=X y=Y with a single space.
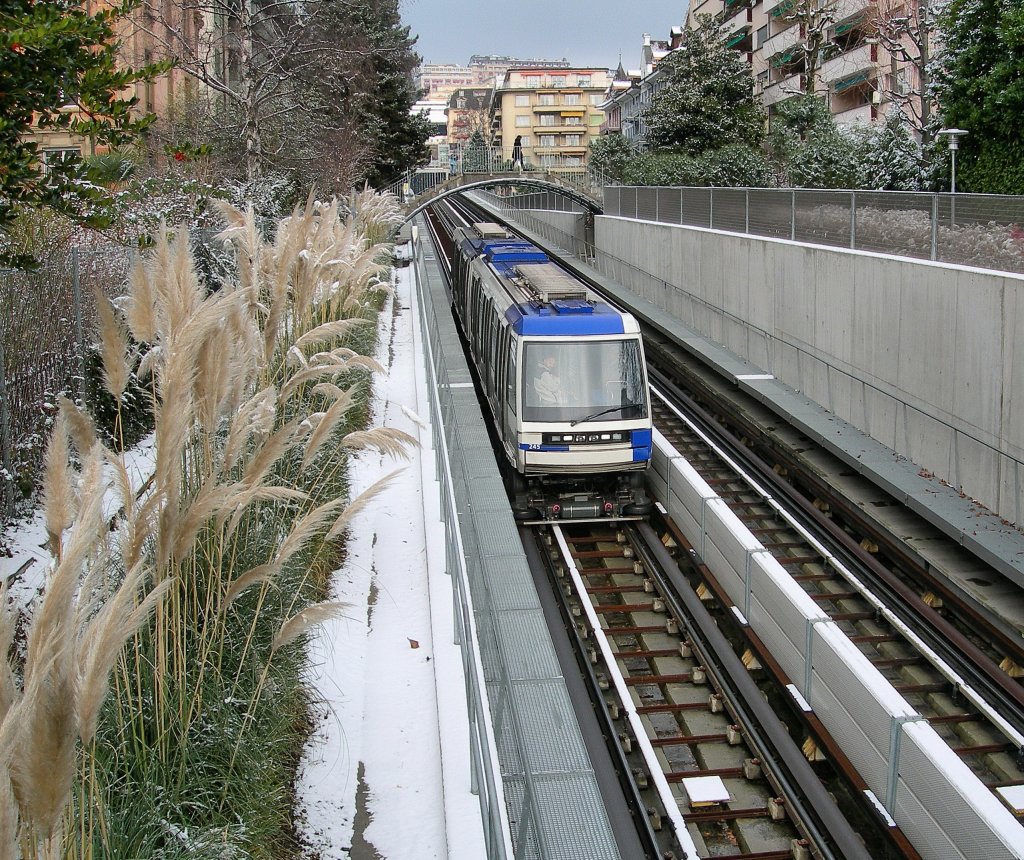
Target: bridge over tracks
x=487 y=168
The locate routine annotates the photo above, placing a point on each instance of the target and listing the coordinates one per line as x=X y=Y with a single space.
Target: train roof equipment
x=545 y=299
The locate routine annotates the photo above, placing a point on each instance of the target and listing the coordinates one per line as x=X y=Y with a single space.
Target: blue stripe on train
x=547 y=321
x=641 y=439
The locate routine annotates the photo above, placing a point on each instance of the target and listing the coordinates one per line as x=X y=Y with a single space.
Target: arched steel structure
x=467 y=182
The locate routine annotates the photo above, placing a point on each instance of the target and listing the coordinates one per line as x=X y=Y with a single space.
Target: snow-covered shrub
x=909 y=232
x=738 y=165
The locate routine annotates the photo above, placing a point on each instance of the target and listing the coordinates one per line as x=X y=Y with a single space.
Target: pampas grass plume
x=141 y=316
x=387 y=440
x=59 y=497
x=80 y=426
x=113 y=348
x=8 y=685
x=302 y=621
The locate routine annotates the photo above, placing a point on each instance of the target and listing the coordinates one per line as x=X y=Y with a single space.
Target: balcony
x=844 y=68
x=848 y=8
x=561 y=124
x=581 y=109
x=780 y=42
x=782 y=90
x=740 y=20
x=861 y=113
x=778 y=8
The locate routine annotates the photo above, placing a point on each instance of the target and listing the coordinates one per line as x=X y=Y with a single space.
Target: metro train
x=564 y=375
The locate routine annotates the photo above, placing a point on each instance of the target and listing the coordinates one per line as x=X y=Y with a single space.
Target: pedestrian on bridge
x=517 y=151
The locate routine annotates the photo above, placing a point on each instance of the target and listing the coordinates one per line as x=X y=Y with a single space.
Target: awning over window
x=573 y=112
x=851 y=81
x=786 y=56
x=784 y=7
x=849 y=24
x=738 y=37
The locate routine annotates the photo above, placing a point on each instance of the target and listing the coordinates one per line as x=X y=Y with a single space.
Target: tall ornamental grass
x=157 y=709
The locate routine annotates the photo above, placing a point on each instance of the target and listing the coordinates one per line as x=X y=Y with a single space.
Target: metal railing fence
x=700 y=315
x=485 y=767
x=46 y=317
x=983 y=230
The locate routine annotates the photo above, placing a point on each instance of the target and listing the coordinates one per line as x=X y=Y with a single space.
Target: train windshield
x=578 y=381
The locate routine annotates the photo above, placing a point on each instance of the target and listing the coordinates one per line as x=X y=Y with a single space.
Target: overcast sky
x=585 y=32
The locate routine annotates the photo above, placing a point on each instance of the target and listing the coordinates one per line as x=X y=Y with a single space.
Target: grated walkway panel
x=552 y=797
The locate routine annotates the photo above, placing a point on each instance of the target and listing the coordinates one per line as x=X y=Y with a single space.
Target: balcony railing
x=861 y=113
x=782 y=90
x=742 y=17
x=851 y=63
x=780 y=42
x=559 y=128
x=847 y=8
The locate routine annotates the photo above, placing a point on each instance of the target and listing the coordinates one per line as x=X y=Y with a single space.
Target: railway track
x=706 y=753
x=944 y=674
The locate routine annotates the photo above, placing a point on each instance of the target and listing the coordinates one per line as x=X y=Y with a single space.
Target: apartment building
x=440 y=80
x=854 y=72
x=468 y=111
x=137 y=48
x=630 y=92
x=489 y=69
x=555 y=112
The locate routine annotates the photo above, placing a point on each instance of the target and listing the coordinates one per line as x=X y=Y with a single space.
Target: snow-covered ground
x=26 y=568
x=387 y=772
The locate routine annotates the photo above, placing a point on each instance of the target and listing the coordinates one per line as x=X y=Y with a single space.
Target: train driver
x=547 y=384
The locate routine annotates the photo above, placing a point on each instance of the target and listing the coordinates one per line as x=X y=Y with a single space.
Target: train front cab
x=591 y=423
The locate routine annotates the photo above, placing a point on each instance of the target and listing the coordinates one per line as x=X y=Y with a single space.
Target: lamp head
x=954 y=135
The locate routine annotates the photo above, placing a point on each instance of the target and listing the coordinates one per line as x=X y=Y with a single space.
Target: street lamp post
x=954 y=144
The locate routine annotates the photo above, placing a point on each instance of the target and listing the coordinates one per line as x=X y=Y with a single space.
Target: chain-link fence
x=983 y=230
x=47 y=318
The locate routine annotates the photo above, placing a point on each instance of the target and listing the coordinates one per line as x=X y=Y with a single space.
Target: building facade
x=138 y=47
x=630 y=92
x=555 y=113
x=469 y=111
x=440 y=80
x=848 y=50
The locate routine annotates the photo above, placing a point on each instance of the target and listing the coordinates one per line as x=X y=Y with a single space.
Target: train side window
x=473 y=320
x=510 y=391
x=492 y=351
x=500 y=354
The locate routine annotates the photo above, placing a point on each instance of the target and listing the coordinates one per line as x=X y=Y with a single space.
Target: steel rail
x=820 y=816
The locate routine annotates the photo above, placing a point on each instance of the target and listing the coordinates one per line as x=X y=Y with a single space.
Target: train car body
x=563 y=373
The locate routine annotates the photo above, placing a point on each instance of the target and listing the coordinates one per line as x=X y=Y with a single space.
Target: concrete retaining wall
x=922 y=356
x=571 y=223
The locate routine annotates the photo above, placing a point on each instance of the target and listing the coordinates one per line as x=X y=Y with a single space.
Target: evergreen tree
x=708 y=98
x=54 y=53
x=980 y=87
x=474 y=156
x=398 y=138
x=611 y=155
x=890 y=156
